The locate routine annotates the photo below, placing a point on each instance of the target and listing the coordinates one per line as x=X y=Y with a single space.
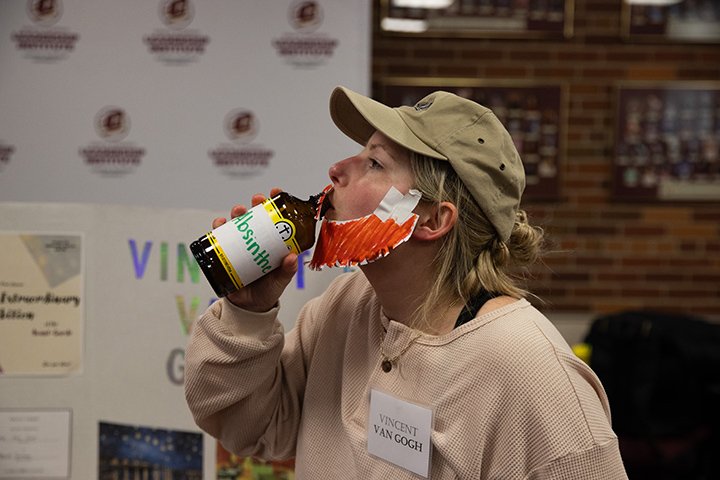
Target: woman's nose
x=338 y=172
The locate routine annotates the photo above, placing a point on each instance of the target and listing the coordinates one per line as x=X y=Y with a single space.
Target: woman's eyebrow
x=376 y=146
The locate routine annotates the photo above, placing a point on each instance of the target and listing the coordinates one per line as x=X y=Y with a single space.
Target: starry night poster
x=137 y=452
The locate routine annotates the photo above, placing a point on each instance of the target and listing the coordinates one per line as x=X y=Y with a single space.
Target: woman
x=428 y=362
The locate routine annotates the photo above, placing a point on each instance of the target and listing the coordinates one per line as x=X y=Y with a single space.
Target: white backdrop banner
x=173 y=103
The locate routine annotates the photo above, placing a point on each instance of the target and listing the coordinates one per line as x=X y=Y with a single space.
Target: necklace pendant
x=386 y=365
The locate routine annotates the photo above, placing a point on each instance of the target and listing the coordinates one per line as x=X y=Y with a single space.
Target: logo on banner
x=112 y=124
x=175 y=43
x=45 y=13
x=242 y=157
x=6 y=152
x=240 y=125
x=305 y=16
x=305 y=46
x=177 y=14
x=112 y=156
x=43 y=41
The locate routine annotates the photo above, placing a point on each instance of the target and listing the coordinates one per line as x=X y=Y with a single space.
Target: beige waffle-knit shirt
x=510 y=399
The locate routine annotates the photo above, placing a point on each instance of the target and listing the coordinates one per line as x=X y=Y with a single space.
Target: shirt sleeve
x=601 y=462
x=244 y=380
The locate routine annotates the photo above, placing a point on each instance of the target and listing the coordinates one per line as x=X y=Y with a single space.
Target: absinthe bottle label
x=249 y=246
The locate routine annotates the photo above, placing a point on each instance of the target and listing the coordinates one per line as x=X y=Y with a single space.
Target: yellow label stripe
x=225 y=262
x=275 y=216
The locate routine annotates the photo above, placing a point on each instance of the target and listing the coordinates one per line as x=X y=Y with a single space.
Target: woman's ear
x=435 y=221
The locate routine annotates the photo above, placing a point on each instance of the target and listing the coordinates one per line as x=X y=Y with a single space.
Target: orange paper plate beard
x=348 y=243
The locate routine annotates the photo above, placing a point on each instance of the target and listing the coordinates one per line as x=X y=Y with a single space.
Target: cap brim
x=358 y=117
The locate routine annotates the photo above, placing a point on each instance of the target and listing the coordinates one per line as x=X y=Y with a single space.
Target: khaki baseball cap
x=447 y=127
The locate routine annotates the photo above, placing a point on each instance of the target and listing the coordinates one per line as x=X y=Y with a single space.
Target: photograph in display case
x=667 y=142
x=478 y=18
x=138 y=451
x=680 y=21
x=533 y=113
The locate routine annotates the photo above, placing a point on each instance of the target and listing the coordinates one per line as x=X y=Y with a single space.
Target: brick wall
x=607 y=255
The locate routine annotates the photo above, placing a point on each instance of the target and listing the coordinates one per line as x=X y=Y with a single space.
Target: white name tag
x=399 y=432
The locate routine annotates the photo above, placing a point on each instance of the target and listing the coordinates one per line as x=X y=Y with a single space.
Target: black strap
x=473 y=305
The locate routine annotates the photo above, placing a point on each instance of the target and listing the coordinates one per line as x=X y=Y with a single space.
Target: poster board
x=140 y=295
x=667 y=146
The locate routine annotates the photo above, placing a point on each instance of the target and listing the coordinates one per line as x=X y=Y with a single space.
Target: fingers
x=235 y=211
x=257 y=199
x=238 y=209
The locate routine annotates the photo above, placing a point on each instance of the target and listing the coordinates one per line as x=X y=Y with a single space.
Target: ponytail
x=472 y=257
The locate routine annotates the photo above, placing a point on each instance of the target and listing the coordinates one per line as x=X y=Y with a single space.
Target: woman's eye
x=375 y=164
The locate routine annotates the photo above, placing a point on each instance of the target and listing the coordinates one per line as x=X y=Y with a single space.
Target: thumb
x=277 y=280
x=288 y=269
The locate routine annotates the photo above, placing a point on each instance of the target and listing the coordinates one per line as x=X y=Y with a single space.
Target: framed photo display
x=667 y=142
x=533 y=113
x=478 y=18
x=682 y=21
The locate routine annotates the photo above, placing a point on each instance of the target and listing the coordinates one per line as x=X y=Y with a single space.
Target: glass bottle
x=247 y=247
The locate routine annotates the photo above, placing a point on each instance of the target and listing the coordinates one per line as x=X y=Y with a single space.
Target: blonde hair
x=472 y=257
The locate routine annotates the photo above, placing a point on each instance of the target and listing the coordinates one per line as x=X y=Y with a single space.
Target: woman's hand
x=262 y=294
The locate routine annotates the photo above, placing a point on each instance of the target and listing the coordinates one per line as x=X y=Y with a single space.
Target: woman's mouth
x=325 y=202
x=326 y=206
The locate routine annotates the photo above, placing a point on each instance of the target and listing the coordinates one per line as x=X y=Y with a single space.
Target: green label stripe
x=276 y=216
x=225 y=262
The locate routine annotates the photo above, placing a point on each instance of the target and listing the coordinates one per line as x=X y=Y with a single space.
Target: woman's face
x=360 y=182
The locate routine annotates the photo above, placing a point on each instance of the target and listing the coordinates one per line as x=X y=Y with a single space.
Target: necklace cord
x=467 y=314
x=387 y=362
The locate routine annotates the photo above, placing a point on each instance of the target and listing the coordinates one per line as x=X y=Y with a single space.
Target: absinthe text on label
x=261 y=258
